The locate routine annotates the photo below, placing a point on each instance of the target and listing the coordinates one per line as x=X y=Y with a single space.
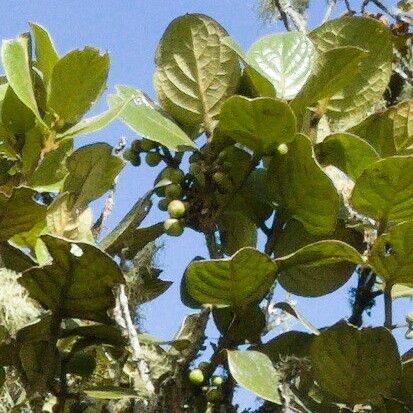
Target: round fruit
x=213 y=395
x=163 y=204
x=136 y=145
x=176 y=209
x=129 y=154
x=409 y=317
x=282 y=149
x=173 y=191
x=217 y=380
x=60 y=123
x=173 y=227
x=195 y=157
x=203 y=365
x=153 y=158
x=147 y=145
x=409 y=334
x=196 y=376
x=175 y=175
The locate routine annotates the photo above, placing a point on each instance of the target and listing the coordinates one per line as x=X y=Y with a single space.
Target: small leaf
x=77 y=81
x=260 y=124
x=110 y=393
x=195 y=71
x=19 y=213
x=99 y=334
x=237 y=281
x=298 y=184
x=15 y=259
x=151 y=124
x=392 y=255
x=356 y=366
x=141 y=237
x=46 y=54
x=92 y=170
x=384 y=191
x=319 y=254
x=286 y=59
x=347 y=152
x=15 y=58
x=254 y=371
x=403 y=125
x=82 y=363
x=64 y=287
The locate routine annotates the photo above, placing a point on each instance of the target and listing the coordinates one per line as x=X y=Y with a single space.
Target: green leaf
x=400 y=291
x=77 y=81
x=98 y=334
x=356 y=99
x=151 y=124
x=289 y=344
x=195 y=71
x=295 y=278
x=110 y=393
x=237 y=281
x=356 y=366
x=347 y=152
x=298 y=184
x=334 y=70
x=15 y=259
x=64 y=287
x=392 y=255
x=46 y=54
x=15 y=59
x=93 y=124
x=254 y=371
x=82 y=363
x=403 y=125
x=286 y=59
x=92 y=170
x=19 y=213
x=261 y=124
x=384 y=190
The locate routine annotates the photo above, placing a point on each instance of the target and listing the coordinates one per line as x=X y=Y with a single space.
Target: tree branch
x=388 y=308
x=283 y=15
x=329 y=10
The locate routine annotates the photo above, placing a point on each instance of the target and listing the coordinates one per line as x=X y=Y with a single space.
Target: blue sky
x=129 y=31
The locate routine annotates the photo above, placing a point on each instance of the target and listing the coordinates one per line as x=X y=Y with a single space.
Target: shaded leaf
x=15 y=259
x=195 y=71
x=384 y=191
x=77 y=81
x=286 y=59
x=260 y=124
x=237 y=281
x=92 y=170
x=64 y=285
x=254 y=371
x=356 y=366
x=298 y=184
x=99 y=334
x=110 y=393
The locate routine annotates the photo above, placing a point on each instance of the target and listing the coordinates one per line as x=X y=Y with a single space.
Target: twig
x=388 y=308
x=137 y=356
x=363 y=6
x=297 y=19
x=212 y=245
x=348 y=6
x=381 y=6
x=283 y=15
x=329 y=10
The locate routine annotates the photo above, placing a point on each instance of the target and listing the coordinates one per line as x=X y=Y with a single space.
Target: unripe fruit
x=60 y=123
x=129 y=154
x=173 y=174
x=173 y=227
x=153 y=158
x=196 y=376
x=195 y=157
x=176 y=209
x=223 y=182
x=409 y=334
x=409 y=318
x=163 y=204
x=217 y=380
x=203 y=365
x=173 y=191
x=282 y=149
x=136 y=145
x=147 y=145
x=213 y=395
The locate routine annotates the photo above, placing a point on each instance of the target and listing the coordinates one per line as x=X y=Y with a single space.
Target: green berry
x=196 y=376
x=409 y=318
x=217 y=380
x=136 y=145
x=147 y=145
x=175 y=175
x=409 y=334
x=163 y=204
x=282 y=149
x=173 y=191
x=173 y=227
x=176 y=209
x=129 y=154
x=213 y=395
x=153 y=158
x=195 y=157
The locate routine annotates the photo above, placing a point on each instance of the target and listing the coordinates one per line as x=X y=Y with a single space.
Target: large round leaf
x=237 y=281
x=286 y=59
x=384 y=190
x=392 y=255
x=195 y=71
x=299 y=185
x=356 y=366
x=254 y=371
x=260 y=124
x=351 y=105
